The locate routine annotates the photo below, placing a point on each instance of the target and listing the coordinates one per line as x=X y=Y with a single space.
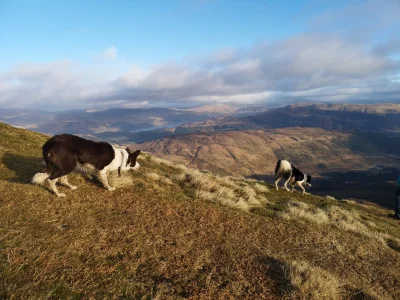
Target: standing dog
x=284 y=169
x=64 y=153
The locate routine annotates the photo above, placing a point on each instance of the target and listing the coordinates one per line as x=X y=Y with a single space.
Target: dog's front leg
x=301 y=186
x=64 y=182
x=104 y=180
x=53 y=188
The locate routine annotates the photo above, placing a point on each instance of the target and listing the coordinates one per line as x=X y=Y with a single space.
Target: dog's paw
x=111 y=189
x=73 y=187
x=60 y=195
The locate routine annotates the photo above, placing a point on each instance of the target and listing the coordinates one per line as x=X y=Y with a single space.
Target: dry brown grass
x=223 y=190
x=312 y=283
x=124 y=181
x=152 y=240
x=260 y=187
x=303 y=210
x=161 y=161
x=345 y=219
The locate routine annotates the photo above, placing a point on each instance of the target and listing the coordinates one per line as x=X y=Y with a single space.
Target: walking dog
x=284 y=169
x=64 y=153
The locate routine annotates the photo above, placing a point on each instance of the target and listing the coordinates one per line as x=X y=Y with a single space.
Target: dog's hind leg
x=277 y=181
x=64 y=182
x=103 y=178
x=53 y=188
x=60 y=167
x=285 y=184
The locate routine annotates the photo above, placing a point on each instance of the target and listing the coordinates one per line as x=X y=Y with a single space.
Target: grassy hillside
x=172 y=233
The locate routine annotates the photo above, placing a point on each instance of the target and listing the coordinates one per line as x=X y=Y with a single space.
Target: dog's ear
x=128 y=150
x=134 y=155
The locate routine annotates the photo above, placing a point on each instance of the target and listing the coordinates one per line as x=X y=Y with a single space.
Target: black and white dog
x=64 y=153
x=284 y=169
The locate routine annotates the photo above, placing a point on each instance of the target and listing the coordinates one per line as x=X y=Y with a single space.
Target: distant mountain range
x=373 y=117
x=86 y=122
x=119 y=125
x=124 y=126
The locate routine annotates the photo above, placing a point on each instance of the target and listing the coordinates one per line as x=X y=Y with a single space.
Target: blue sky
x=143 y=53
x=148 y=31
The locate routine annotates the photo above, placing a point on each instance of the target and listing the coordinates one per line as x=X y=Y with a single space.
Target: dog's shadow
x=24 y=167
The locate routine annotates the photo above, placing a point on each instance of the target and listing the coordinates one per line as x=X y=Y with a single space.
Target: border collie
x=284 y=169
x=65 y=153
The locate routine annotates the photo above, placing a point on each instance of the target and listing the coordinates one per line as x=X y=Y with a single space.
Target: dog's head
x=308 y=181
x=131 y=163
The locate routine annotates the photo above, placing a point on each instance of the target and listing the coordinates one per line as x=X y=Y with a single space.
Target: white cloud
x=320 y=67
x=328 y=64
x=109 y=53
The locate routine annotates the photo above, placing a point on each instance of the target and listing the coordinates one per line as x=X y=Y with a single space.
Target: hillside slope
x=332 y=117
x=169 y=232
x=383 y=117
x=256 y=152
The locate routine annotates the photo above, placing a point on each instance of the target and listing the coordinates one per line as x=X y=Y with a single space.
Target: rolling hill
x=169 y=232
x=328 y=156
x=111 y=120
x=383 y=117
x=245 y=153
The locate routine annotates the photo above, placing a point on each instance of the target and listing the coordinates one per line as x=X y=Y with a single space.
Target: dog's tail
x=283 y=167
x=40 y=178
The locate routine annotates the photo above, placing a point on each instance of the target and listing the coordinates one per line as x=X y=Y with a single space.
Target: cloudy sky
x=94 y=54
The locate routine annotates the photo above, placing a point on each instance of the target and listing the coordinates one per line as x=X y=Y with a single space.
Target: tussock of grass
x=153 y=176
x=222 y=190
x=250 y=195
x=161 y=161
x=303 y=210
x=344 y=219
x=157 y=178
x=119 y=182
x=181 y=167
x=260 y=188
x=312 y=283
